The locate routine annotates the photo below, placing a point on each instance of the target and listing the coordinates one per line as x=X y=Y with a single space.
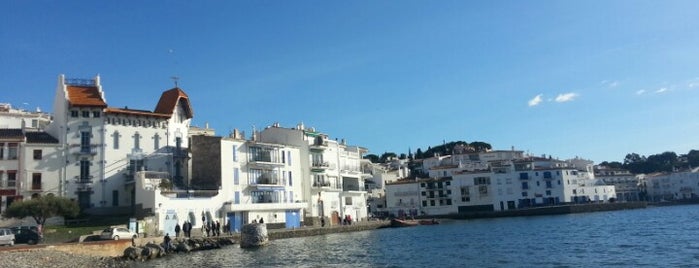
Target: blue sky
x=595 y=79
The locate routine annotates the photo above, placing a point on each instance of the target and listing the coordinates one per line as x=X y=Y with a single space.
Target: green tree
x=42 y=208
x=386 y=156
x=480 y=146
x=419 y=154
x=613 y=164
x=372 y=157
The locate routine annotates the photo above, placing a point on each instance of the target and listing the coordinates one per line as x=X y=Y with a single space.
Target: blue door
x=236 y=222
x=293 y=219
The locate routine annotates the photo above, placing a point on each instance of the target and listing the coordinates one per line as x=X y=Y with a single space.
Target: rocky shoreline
x=45 y=257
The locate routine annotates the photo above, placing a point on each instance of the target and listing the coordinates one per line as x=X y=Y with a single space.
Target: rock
x=254 y=235
x=132 y=253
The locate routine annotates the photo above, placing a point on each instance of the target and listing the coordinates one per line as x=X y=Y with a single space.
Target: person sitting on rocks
x=167 y=243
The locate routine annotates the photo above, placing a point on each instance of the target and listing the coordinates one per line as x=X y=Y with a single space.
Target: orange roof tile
x=85 y=96
x=168 y=102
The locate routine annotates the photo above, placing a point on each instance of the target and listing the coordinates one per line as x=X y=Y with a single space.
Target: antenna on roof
x=175 y=79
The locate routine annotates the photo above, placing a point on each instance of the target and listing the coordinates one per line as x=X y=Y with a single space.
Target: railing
x=326 y=184
x=8 y=184
x=266 y=201
x=318 y=164
x=36 y=186
x=351 y=188
x=79 y=82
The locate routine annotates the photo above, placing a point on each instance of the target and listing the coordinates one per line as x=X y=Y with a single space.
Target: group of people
x=186 y=229
x=212 y=228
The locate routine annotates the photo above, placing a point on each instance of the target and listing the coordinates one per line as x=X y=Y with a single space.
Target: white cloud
x=535 y=101
x=661 y=90
x=610 y=84
x=640 y=92
x=566 y=97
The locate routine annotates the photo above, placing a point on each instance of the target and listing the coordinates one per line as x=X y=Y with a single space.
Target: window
x=348 y=200
x=37 y=154
x=96 y=114
x=548 y=192
x=137 y=141
x=235 y=154
x=236 y=176
x=283 y=158
x=537 y=183
x=525 y=185
x=85 y=141
x=288 y=156
x=525 y=194
x=12 y=151
x=236 y=198
x=549 y=184
x=547 y=175
x=36 y=181
x=424 y=193
x=115 y=137
x=11 y=178
x=448 y=202
x=290 y=181
x=73 y=113
x=86 y=113
x=432 y=203
x=424 y=203
x=481 y=181
x=523 y=176
x=447 y=183
x=2 y=150
x=156 y=142
x=84 y=170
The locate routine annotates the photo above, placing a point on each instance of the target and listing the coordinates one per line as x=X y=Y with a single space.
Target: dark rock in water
x=132 y=253
x=254 y=235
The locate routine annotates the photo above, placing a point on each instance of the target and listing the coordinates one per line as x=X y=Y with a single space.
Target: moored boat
x=403 y=223
x=428 y=222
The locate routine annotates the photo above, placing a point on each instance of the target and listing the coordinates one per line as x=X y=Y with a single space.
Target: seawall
x=552 y=210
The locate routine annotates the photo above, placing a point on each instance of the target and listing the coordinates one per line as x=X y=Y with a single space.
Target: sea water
x=651 y=237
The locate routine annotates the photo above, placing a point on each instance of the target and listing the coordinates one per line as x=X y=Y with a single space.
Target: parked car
x=26 y=235
x=117 y=233
x=7 y=237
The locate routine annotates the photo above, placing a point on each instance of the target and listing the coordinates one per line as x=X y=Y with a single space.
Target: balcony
x=8 y=184
x=326 y=185
x=319 y=167
x=79 y=149
x=36 y=187
x=319 y=144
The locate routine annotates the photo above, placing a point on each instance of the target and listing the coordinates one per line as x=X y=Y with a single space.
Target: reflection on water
x=666 y=236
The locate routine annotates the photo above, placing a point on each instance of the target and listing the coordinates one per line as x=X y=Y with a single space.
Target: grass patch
x=62 y=234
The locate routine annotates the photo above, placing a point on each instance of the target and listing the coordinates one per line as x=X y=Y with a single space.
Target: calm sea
x=652 y=237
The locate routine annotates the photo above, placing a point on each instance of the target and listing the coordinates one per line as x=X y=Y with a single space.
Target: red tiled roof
x=169 y=99
x=85 y=96
x=112 y=110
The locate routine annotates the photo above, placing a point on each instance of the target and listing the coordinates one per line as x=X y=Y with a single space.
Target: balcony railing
x=266 y=201
x=8 y=184
x=36 y=186
x=326 y=184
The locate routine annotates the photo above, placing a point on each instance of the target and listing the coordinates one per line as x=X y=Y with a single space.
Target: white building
x=507 y=181
x=102 y=146
x=22 y=119
x=673 y=186
x=627 y=185
x=332 y=171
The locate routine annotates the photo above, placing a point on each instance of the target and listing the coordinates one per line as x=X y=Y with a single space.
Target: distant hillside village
x=155 y=166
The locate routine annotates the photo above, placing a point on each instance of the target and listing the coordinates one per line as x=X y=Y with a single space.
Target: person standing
x=177 y=230
x=218 y=228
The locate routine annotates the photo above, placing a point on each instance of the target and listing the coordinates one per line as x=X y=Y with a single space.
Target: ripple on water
x=654 y=237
